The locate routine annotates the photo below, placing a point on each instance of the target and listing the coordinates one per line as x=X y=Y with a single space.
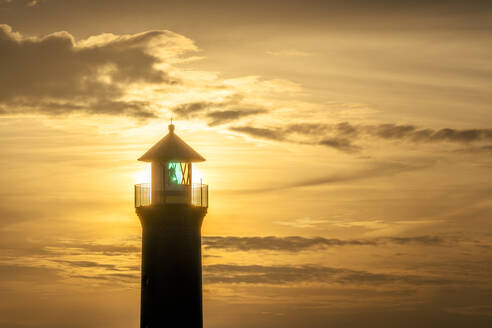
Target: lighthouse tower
x=171 y=210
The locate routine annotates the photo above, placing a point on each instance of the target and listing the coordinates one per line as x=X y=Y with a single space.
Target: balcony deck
x=199 y=195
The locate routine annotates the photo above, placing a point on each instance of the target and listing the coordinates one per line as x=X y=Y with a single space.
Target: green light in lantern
x=174 y=172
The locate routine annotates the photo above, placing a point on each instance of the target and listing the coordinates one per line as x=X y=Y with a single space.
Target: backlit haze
x=348 y=148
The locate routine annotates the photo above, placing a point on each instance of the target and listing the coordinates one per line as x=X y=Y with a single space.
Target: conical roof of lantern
x=171 y=148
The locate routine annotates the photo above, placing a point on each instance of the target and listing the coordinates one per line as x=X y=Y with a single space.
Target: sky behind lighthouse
x=348 y=148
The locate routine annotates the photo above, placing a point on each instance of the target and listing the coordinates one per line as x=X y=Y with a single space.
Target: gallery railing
x=199 y=194
x=142 y=194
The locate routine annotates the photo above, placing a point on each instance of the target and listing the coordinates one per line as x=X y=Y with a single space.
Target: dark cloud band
x=217 y=113
x=297 y=243
x=55 y=75
x=343 y=136
x=278 y=275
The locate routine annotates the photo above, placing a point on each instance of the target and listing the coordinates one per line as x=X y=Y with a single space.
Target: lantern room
x=171 y=160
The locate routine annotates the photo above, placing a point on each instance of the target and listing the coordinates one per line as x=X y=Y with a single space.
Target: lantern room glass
x=178 y=173
x=175 y=173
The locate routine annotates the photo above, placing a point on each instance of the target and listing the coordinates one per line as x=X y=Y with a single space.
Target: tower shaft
x=171 y=294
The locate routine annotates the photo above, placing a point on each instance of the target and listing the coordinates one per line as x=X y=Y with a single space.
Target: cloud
x=298 y=243
x=422 y=240
x=55 y=74
x=219 y=112
x=415 y=134
x=221 y=117
x=342 y=144
x=88 y=264
x=137 y=109
x=272 y=243
x=105 y=249
x=14 y=247
x=280 y=275
x=480 y=149
x=303 y=222
x=128 y=277
x=26 y=3
x=55 y=252
x=188 y=109
x=375 y=170
x=17 y=272
x=289 y=53
x=265 y=133
x=473 y=310
x=343 y=136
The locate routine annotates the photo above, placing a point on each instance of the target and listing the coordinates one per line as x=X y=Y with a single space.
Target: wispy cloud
x=279 y=275
x=19 y=272
x=374 y=170
x=91 y=265
x=218 y=112
x=344 y=136
x=97 y=248
x=305 y=222
x=298 y=243
x=26 y=3
x=289 y=53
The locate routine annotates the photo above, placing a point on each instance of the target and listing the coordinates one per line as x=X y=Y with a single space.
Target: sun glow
x=197 y=175
x=143 y=175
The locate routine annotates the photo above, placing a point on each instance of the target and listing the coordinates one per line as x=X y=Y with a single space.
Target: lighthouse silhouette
x=171 y=209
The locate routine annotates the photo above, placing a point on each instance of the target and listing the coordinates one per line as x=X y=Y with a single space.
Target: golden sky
x=348 y=148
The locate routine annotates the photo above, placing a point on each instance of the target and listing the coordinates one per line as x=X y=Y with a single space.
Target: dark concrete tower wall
x=171 y=294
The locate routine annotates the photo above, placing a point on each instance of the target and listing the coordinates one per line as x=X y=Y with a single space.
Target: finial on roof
x=171 y=126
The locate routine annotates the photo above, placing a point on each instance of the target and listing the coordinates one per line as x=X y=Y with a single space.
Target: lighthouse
x=171 y=210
